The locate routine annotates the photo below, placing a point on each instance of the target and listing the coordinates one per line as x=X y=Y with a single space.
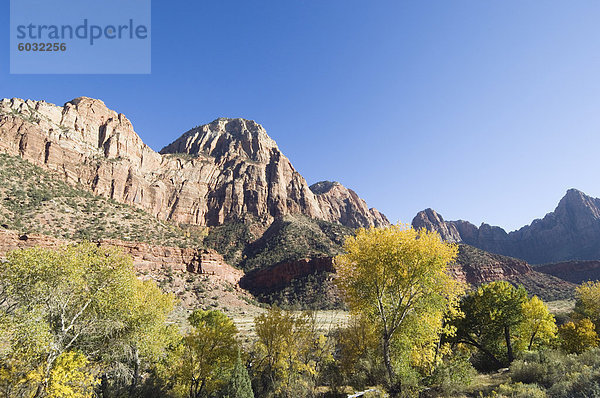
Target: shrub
x=453 y=375
x=520 y=390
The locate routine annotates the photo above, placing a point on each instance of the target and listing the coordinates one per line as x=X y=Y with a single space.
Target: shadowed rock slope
x=573 y=271
x=570 y=232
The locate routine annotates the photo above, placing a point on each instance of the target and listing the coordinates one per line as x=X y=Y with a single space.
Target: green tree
x=239 y=385
x=396 y=278
x=206 y=356
x=576 y=337
x=492 y=315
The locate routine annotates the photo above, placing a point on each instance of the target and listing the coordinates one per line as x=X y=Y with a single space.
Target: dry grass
x=561 y=306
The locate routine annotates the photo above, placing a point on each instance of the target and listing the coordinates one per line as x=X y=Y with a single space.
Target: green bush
x=520 y=390
x=562 y=375
x=452 y=375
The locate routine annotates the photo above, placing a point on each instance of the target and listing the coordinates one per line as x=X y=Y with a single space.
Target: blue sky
x=482 y=110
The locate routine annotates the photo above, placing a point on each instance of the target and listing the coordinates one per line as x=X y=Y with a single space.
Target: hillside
x=573 y=271
x=37 y=201
x=309 y=283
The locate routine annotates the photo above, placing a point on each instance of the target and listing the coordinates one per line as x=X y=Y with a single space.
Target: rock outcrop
x=281 y=274
x=570 y=232
x=342 y=204
x=210 y=175
x=146 y=257
x=432 y=221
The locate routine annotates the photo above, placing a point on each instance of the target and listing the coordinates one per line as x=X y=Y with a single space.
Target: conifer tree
x=239 y=384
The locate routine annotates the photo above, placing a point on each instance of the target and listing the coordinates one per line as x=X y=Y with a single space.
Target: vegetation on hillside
x=288 y=238
x=37 y=201
x=315 y=291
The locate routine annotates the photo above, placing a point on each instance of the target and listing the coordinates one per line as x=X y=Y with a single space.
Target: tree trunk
x=482 y=349
x=508 y=344
x=104 y=386
x=388 y=361
x=136 y=371
x=531 y=341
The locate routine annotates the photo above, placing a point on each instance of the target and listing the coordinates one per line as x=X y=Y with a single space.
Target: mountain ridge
x=211 y=174
x=570 y=232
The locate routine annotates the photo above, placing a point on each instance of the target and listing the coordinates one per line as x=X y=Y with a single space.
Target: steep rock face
x=570 y=232
x=281 y=274
x=432 y=221
x=342 y=204
x=212 y=174
x=252 y=175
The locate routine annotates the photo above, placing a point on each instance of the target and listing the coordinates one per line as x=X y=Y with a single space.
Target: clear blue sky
x=483 y=110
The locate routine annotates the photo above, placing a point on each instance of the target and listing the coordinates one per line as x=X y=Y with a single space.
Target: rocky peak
x=578 y=207
x=570 y=232
x=340 y=203
x=235 y=170
x=432 y=221
x=321 y=187
x=226 y=137
x=85 y=124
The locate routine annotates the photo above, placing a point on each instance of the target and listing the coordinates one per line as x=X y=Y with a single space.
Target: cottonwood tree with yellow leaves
x=289 y=354
x=396 y=277
x=71 y=315
x=538 y=328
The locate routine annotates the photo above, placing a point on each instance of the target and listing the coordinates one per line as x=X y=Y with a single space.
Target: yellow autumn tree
x=202 y=363
x=588 y=302
x=75 y=313
x=397 y=278
x=576 y=337
x=71 y=377
x=289 y=353
x=538 y=327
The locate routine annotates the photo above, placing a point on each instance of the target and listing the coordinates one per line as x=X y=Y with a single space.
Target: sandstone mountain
x=212 y=174
x=570 y=232
x=81 y=172
x=342 y=204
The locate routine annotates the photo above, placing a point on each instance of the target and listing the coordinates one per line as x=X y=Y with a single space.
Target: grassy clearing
x=561 y=306
x=326 y=321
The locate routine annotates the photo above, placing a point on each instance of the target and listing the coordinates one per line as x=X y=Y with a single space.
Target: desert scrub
x=34 y=200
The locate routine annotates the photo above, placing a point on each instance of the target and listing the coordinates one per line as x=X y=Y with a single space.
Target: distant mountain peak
x=570 y=232
x=431 y=220
x=321 y=187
